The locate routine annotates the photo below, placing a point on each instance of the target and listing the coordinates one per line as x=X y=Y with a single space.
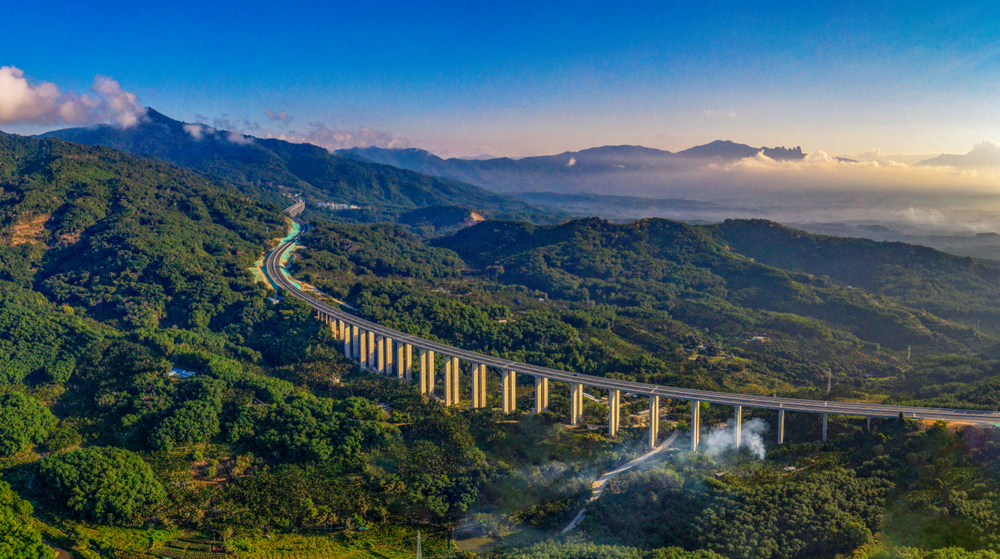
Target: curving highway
x=332 y=314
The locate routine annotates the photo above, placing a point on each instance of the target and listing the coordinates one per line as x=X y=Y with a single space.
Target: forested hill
x=702 y=281
x=315 y=172
x=954 y=287
x=133 y=241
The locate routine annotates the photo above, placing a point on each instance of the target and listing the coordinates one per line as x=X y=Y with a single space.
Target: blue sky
x=524 y=78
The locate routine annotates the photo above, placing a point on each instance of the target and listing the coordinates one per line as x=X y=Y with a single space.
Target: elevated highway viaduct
x=391 y=352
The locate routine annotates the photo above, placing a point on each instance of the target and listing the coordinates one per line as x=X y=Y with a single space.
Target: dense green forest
x=114 y=269
x=660 y=301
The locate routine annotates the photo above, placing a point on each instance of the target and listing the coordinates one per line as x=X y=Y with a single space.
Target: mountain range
x=607 y=169
x=295 y=168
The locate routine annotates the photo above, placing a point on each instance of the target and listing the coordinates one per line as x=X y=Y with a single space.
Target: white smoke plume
x=25 y=102
x=723 y=439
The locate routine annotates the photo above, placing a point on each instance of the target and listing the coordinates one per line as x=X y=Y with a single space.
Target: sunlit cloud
x=984 y=155
x=23 y=101
x=821 y=171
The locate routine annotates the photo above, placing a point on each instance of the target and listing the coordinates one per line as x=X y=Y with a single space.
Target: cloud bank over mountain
x=984 y=155
x=333 y=138
x=819 y=171
x=23 y=101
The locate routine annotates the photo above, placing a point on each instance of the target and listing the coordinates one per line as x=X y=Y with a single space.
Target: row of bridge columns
x=389 y=357
x=738 y=425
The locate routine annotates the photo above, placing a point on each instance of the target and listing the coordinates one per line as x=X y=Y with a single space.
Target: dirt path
x=597 y=488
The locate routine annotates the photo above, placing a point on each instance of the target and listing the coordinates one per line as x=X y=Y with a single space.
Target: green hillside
x=664 y=302
x=684 y=270
x=957 y=288
x=115 y=268
x=133 y=241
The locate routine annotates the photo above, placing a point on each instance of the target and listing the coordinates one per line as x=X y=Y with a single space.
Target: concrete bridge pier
x=824 y=426
x=347 y=341
x=614 y=412
x=541 y=394
x=449 y=398
x=509 y=390
x=738 y=426
x=408 y=368
x=576 y=403
x=355 y=342
x=426 y=371
x=380 y=363
x=431 y=373
x=422 y=356
x=695 y=425
x=480 y=390
x=654 y=420
x=390 y=356
x=456 y=377
x=371 y=350
x=476 y=387
x=781 y=426
x=363 y=350
x=400 y=360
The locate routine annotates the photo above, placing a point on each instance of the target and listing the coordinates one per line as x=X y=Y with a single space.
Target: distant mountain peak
x=727 y=149
x=983 y=154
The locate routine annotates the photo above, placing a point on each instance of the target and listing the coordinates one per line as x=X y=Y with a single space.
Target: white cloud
x=124 y=107
x=235 y=130
x=25 y=102
x=334 y=139
x=820 y=171
x=281 y=117
x=572 y=161
x=237 y=138
x=197 y=131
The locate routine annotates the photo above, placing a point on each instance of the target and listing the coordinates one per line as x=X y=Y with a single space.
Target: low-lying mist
x=811 y=193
